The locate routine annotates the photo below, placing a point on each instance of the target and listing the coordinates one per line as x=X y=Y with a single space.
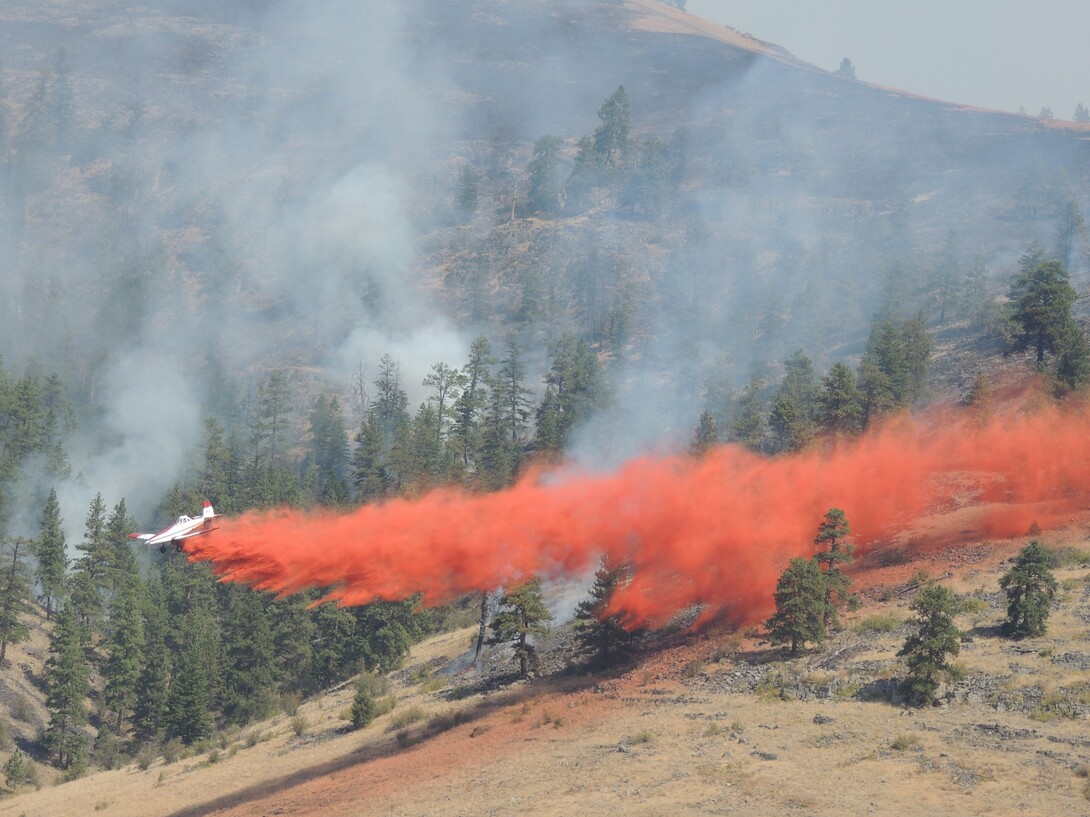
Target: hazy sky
x=998 y=54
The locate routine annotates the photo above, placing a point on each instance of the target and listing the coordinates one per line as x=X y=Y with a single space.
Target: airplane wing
x=193 y=533
x=141 y=535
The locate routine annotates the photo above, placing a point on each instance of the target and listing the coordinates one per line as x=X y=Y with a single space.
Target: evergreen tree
x=546 y=193
x=385 y=631
x=153 y=686
x=800 y=606
x=293 y=629
x=521 y=615
x=125 y=648
x=1073 y=361
x=470 y=404
x=510 y=386
x=834 y=550
x=334 y=634
x=611 y=135
x=219 y=471
x=1082 y=115
x=706 y=435
x=602 y=636
x=329 y=450
x=364 y=709
x=466 y=197
x=980 y=397
x=368 y=463
x=748 y=426
x=189 y=702
x=447 y=383
x=839 y=405
x=51 y=554
x=794 y=406
x=67 y=686
x=846 y=69
x=15 y=595
x=1042 y=299
x=926 y=650
x=1030 y=588
x=574 y=389
x=90 y=580
x=249 y=658
x=918 y=347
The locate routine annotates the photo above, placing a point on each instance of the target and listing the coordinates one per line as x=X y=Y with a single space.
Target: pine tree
x=249 y=658
x=153 y=686
x=601 y=636
x=935 y=638
x=1030 y=588
x=611 y=135
x=125 y=648
x=67 y=686
x=574 y=389
x=188 y=712
x=834 y=550
x=706 y=435
x=89 y=580
x=448 y=384
x=51 y=554
x=521 y=615
x=839 y=405
x=15 y=595
x=1042 y=298
x=335 y=631
x=748 y=425
x=368 y=463
x=800 y=606
x=294 y=630
x=470 y=404
x=546 y=190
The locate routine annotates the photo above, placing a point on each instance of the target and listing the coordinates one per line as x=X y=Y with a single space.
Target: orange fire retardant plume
x=715 y=531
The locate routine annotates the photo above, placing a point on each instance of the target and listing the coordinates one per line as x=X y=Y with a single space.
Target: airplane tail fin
x=208 y=512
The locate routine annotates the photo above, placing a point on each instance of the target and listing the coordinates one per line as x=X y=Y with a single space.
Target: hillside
x=431 y=297
x=709 y=724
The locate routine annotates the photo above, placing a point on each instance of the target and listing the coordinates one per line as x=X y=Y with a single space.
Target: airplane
x=184 y=528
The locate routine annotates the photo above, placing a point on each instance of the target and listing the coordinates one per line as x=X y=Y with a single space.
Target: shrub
x=878 y=623
x=299 y=725
x=902 y=743
x=146 y=755
x=290 y=702
x=21 y=709
x=172 y=750
x=364 y=709
x=405 y=717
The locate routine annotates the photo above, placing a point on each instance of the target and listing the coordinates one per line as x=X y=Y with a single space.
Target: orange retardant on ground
x=715 y=531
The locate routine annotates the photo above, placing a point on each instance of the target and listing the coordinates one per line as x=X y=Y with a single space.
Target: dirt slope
x=715 y=724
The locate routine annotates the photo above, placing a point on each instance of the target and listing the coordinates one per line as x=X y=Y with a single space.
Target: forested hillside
x=319 y=256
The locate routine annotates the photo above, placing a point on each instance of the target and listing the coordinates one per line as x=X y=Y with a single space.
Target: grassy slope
x=672 y=736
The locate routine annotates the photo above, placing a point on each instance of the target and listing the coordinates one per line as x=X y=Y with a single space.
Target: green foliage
x=1042 y=299
x=706 y=435
x=521 y=615
x=364 y=708
x=935 y=638
x=15 y=595
x=1030 y=588
x=840 y=407
x=574 y=389
x=546 y=193
x=67 y=684
x=800 y=606
x=603 y=637
x=49 y=550
x=834 y=549
x=877 y=623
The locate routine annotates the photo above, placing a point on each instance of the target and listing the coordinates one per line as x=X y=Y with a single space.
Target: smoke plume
x=715 y=532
